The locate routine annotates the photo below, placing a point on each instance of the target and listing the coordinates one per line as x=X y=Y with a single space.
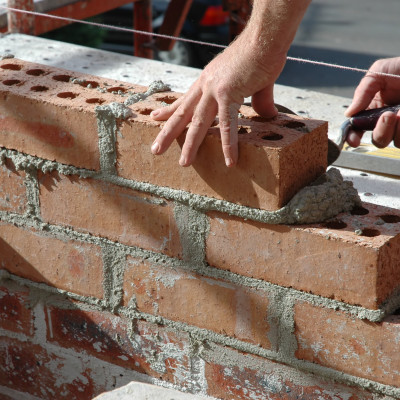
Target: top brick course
x=44 y=113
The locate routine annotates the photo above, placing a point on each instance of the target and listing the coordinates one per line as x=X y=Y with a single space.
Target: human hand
x=376 y=91
x=238 y=72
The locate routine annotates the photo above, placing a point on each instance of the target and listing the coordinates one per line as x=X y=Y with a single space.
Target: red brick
x=203 y=302
x=325 y=259
x=15 y=310
x=107 y=210
x=65 y=264
x=12 y=189
x=361 y=348
x=106 y=336
x=45 y=115
x=29 y=368
x=268 y=174
x=257 y=378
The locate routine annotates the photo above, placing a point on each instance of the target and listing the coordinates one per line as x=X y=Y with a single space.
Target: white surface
x=144 y=391
x=383 y=190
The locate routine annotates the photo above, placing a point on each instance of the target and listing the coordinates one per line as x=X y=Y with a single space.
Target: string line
x=199 y=42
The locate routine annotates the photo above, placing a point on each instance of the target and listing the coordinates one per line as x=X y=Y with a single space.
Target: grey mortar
x=154 y=87
x=193 y=228
x=113 y=277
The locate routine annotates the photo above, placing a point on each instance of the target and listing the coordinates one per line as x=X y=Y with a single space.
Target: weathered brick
x=237 y=376
x=141 y=346
x=107 y=210
x=12 y=189
x=65 y=264
x=204 y=302
x=326 y=259
x=29 y=368
x=44 y=114
x=268 y=174
x=15 y=309
x=361 y=348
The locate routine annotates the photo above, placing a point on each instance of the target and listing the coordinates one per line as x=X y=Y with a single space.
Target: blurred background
x=353 y=33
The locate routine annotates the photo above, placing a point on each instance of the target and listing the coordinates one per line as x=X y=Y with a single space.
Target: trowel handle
x=366 y=120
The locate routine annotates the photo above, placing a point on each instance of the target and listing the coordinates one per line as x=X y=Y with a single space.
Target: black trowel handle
x=366 y=120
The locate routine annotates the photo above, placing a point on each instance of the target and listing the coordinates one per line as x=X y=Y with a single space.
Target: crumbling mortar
x=209 y=338
x=32 y=194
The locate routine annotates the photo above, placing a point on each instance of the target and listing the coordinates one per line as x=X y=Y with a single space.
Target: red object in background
x=214 y=15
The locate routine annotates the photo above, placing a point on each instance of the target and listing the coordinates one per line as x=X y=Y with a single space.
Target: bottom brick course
x=237 y=376
x=361 y=348
x=29 y=368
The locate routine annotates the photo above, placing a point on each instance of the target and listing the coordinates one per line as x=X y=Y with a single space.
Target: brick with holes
x=45 y=114
x=329 y=259
x=49 y=112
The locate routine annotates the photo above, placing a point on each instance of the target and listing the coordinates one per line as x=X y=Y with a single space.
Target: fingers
x=178 y=115
x=354 y=138
x=263 y=102
x=386 y=130
x=203 y=117
x=364 y=94
x=228 y=125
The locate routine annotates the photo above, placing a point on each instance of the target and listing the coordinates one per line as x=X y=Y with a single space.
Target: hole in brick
x=11 y=82
x=293 y=124
x=242 y=130
x=390 y=218
x=62 y=78
x=116 y=89
x=272 y=136
x=358 y=210
x=167 y=99
x=13 y=67
x=259 y=119
x=336 y=224
x=66 y=95
x=95 y=101
x=370 y=232
x=39 y=88
x=36 y=72
x=145 y=111
x=92 y=84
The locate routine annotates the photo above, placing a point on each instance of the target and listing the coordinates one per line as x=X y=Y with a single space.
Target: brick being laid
x=50 y=113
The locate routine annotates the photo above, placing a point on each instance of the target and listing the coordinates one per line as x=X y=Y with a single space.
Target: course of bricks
x=116 y=265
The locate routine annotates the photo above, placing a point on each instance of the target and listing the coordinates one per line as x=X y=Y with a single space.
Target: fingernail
x=155 y=148
x=228 y=162
x=182 y=161
x=155 y=113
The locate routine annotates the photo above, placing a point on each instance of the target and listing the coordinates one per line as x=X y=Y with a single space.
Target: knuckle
x=198 y=123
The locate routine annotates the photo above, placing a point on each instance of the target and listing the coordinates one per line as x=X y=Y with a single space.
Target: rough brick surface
x=207 y=303
x=111 y=211
x=29 y=368
x=357 y=347
x=243 y=377
x=136 y=345
x=46 y=115
x=268 y=174
x=15 y=310
x=12 y=189
x=67 y=265
x=328 y=259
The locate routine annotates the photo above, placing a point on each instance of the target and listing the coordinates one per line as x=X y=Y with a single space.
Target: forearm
x=273 y=24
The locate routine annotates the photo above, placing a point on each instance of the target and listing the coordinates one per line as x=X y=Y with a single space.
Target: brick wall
x=116 y=265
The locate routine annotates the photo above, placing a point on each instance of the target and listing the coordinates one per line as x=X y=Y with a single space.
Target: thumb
x=263 y=102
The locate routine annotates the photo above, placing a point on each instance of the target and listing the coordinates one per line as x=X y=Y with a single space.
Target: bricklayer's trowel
x=362 y=121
